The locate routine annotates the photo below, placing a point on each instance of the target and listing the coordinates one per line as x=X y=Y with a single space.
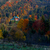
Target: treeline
x=34 y=22
x=28 y=30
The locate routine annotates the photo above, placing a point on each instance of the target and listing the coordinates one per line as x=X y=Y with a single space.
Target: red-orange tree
x=25 y=25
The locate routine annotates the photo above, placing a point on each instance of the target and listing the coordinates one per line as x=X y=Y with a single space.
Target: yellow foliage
x=1 y=34
x=24 y=38
x=8 y=19
x=4 y=26
x=19 y=35
x=20 y=23
x=11 y=13
x=25 y=13
x=47 y=36
x=22 y=14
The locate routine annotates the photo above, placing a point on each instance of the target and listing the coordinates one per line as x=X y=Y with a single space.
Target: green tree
x=33 y=18
x=5 y=33
x=46 y=25
x=41 y=32
x=43 y=18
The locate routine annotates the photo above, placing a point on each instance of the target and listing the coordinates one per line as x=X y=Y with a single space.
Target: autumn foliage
x=35 y=17
x=9 y=5
x=20 y=23
x=25 y=25
x=30 y=16
x=1 y=34
x=16 y=1
x=48 y=33
x=36 y=6
x=39 y=24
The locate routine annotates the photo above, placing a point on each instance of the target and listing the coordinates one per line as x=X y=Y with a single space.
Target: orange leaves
x=20 y=8
x=48 y=33
x=7 y=2
x=25 y=12
x=16 y=1
x=26 y=21
x=35 y=17
x=25 y=25
x=21 y=11
x=2 y=7
x=5 y=5
x=36 y=6
x=30 y=16
x=17 y=15
x=9 y=5
x=10 y=13
x=8 y=19
x=24 y=7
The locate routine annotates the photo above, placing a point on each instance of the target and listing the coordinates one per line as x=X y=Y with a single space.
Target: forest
x=34 y=23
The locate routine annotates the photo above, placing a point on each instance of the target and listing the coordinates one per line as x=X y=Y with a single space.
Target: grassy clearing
x=17 y=47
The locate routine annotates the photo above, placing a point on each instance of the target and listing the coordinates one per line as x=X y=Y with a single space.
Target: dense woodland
x=34 y=23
